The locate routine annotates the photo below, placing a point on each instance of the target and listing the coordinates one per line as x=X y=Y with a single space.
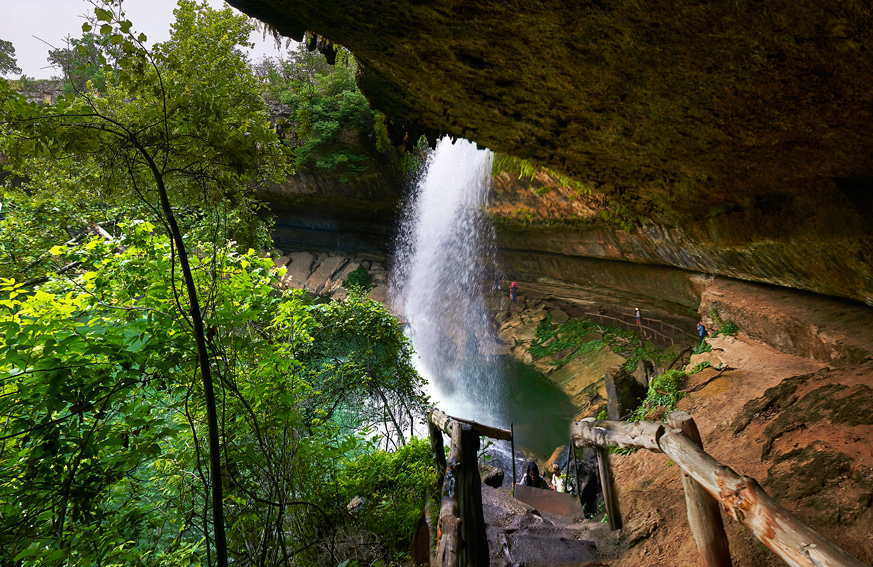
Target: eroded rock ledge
x=735 y=135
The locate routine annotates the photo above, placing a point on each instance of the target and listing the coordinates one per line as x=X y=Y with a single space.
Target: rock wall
x=734 y=136
x=314 y=211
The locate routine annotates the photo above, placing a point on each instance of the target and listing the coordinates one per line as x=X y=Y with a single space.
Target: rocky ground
x=518 y=534
x=798 y=418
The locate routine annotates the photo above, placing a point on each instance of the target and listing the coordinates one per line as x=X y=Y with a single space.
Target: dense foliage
x=392 y=488
x=665 y=391
x=332 y=129
x=102 y=443
x=161 y=407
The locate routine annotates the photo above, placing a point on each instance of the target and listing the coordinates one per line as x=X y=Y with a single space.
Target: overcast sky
x=53 y=20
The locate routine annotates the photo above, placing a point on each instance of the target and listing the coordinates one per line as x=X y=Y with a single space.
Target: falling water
x=444 y=268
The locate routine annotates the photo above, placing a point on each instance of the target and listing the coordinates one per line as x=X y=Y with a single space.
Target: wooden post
x=449 y=527
x=512 y=453
x=474 y=548
x=576 y=473
x=744 y=500
x=609 y=496
x=704 y=513
x=436 y=446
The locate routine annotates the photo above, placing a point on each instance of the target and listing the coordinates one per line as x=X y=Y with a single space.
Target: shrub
x=665 y=390
x=359 y=278
x=393 y=487
x=702 y=347
x=725 y=327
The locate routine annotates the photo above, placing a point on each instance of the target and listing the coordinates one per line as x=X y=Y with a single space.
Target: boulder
x=623 y=392
x=299 y=269
x=317 y=282
x=336 y=280
x=340 y=294
x=280 y=261
x=379 y=293
x=559 y=317
x=492 y=476
x=644 y=372
x=355 y=505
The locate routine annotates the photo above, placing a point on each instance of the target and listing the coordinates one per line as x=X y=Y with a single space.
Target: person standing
x=532 y=477
x=638 y=316
x=701 y=331
x=513 y=291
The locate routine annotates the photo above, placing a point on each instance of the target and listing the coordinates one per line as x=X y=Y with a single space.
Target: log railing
x=707 y=482
x=461 y=539
x=647 y=330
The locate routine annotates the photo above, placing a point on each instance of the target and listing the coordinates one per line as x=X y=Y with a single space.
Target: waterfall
x=444 y=266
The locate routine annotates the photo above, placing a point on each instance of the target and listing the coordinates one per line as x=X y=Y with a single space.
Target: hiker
x=532 y=477
x=701 y=331
x=513 y=291
x=638 y=316
x=557 y=479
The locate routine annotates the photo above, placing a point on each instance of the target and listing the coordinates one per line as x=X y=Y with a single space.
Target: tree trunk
x=203 y=361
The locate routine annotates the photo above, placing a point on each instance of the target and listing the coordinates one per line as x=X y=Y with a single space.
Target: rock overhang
x=743 y=123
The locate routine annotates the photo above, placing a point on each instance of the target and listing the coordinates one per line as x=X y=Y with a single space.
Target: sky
x=53 y=20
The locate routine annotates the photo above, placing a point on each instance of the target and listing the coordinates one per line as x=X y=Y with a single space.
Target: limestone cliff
x=736 y=136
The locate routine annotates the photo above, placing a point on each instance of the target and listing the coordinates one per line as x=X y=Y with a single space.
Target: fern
x=525 y=169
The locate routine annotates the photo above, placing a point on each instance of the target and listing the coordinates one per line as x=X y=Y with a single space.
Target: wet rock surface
x=533 y=538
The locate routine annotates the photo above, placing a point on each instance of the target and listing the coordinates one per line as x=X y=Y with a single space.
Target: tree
x=79 y=62
x=333 y=130
x=8 y=64
x=103 y=412
x=183 y=120
x=115 y=377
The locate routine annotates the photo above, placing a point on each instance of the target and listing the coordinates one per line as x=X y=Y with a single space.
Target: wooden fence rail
x=745 y=501
x=645 y=329
x=461 y=538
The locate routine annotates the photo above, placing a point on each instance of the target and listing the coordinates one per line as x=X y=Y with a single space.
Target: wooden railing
x=461 y=538
x=707 y=482
x=647 y=329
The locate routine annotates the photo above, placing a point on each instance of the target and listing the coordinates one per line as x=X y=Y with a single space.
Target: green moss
x=665 y=391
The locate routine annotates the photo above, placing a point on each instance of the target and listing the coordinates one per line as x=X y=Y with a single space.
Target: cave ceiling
x=685 y=112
